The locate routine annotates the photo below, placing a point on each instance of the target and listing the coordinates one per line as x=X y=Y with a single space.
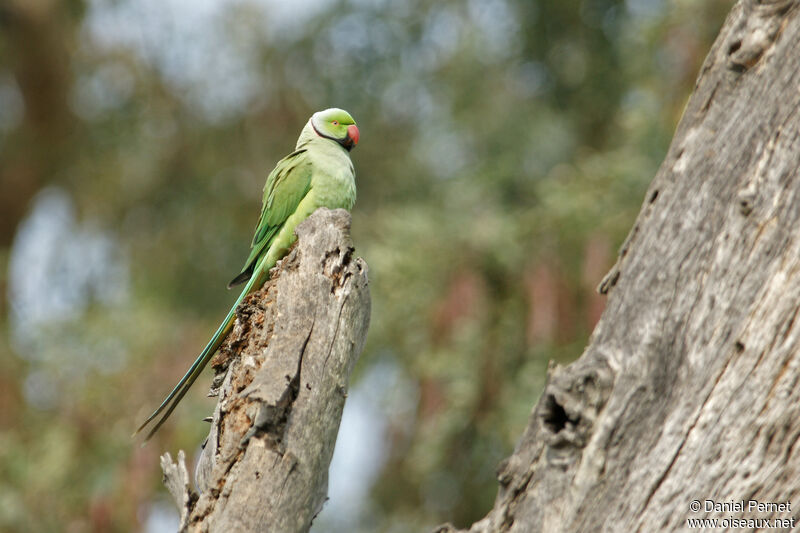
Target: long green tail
x=174 y=397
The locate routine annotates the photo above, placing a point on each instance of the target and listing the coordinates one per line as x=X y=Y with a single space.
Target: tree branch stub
x=282 y=379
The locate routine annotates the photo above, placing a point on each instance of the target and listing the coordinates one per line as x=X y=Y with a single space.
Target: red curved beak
x=352 y=132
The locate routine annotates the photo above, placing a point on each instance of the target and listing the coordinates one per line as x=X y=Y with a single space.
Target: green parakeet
x=318 y=173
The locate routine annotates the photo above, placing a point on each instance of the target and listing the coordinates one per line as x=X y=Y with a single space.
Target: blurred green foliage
x=505 y=149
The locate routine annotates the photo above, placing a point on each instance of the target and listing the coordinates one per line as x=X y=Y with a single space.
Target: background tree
x=688 y=391
x=506 y=147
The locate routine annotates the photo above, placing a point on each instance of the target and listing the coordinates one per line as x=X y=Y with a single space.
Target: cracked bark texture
x=282 y=378
x=689 y=388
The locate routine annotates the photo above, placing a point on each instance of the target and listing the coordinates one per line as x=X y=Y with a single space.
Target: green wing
x=286 y=186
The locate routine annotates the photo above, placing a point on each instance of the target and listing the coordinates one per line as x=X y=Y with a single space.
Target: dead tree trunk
x=688 y=391
x=283 y=373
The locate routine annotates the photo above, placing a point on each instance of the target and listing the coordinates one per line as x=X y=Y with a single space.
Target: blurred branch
x=37 y=37
x=286 y=367
x=688 y=390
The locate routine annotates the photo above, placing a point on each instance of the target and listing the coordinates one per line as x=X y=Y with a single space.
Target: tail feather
x=177 y=394
x=172 y=399
x=241 y=278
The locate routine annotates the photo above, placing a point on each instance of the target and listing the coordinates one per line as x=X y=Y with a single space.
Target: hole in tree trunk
x=554 y=416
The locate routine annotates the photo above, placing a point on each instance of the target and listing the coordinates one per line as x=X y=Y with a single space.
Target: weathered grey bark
x=689 y=387
x=283 y=382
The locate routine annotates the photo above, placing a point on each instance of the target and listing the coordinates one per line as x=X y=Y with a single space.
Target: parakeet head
x=337 y=125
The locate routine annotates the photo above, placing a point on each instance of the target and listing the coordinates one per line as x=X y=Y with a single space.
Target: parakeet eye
x=335 y=122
